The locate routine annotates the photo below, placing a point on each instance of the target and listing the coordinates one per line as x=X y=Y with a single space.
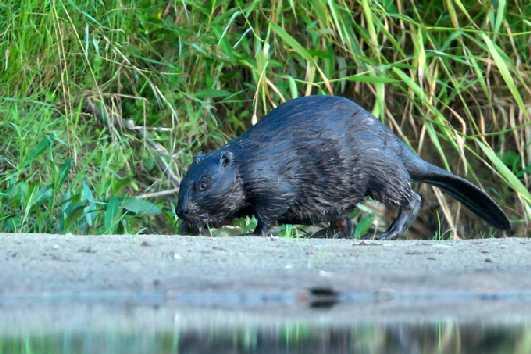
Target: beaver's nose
x=182 y=212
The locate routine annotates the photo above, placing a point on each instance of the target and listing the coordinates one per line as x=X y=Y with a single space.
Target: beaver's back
x=310 y=112
x=312 y=127
x=311 y=117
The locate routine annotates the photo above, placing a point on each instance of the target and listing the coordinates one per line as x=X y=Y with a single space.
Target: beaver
x=313 y=159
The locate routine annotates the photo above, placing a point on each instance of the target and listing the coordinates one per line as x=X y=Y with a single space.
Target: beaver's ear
x=225 y=159
x=198 y=158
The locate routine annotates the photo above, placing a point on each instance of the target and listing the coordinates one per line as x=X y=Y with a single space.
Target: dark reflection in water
x=434 y=337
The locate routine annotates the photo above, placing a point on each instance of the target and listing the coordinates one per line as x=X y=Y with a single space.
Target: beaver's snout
x=183 y=211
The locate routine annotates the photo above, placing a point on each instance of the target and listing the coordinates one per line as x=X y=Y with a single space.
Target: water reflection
x=96 y=329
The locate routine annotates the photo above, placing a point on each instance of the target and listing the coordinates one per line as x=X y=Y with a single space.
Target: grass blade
x=112 y=215
x=505 y=172
x=291 y=42
x=140 y=206
x=504 y=71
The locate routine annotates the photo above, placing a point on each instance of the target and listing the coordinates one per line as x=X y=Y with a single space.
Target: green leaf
x=439 y=118
x=367 y=12
x=112 y=215
x=72 y=214
x=65 y=169
x=119 y=184
x=505 y=172
x=212 y=93
x=370 y=79
x=499 y=15
x=44 y=194
x=232 y=18
x=293 y=87
x=87 y=196
x=363 y=226
x=19 y=193
x=39 y=149
x=292 y=42
x=504 y=71
x=140 y=206
x=435 y=140
x=478 y=71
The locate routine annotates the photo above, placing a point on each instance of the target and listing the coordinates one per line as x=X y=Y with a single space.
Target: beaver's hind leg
x=343 y=227
x=390 y=184
x=406 y=215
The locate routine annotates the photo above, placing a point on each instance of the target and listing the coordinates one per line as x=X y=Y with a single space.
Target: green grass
x=450 y=77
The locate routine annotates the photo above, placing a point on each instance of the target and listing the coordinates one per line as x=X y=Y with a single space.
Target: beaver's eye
x=203 y=184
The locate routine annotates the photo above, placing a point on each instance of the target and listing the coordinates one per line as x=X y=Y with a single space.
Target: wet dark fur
x=313 y=159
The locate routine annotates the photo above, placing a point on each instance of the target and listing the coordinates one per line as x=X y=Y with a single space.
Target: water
x=444 y=337
x=135 y=328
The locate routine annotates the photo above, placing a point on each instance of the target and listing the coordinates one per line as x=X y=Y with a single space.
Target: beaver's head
x=211 y=190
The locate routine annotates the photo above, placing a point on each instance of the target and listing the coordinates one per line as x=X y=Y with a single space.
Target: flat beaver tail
x=472 y=197
x=479 y=202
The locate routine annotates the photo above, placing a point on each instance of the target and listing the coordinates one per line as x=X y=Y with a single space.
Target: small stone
x=488 y=260
x=145 y=244
x=363 y=243
x=87 y=249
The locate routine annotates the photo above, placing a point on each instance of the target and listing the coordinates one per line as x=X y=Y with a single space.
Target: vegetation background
x=98 y=99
